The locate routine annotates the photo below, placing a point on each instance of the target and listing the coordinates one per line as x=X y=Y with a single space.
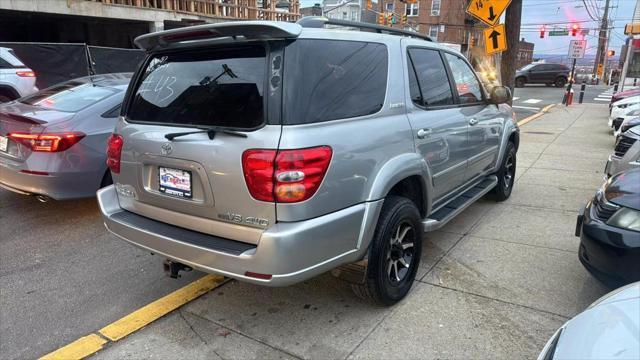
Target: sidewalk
x=494 y=283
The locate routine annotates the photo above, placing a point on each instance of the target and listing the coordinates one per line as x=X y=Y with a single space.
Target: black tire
x=506 y=175
x=396 y=241
x=561 y=81
x=520 y=82
x=106 y=180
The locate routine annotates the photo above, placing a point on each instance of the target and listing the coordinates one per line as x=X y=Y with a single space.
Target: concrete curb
x=536 y=115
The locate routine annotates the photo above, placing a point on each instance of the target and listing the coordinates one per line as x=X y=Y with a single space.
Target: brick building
x=525 y=53
x=443 y=20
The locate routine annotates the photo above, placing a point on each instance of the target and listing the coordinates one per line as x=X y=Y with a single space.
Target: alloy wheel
x=401 y=253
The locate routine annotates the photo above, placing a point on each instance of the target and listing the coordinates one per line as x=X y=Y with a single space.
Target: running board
x=454 y=207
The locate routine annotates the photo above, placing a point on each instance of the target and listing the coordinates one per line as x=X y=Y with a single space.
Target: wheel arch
x=9 y=91
x=405 y=175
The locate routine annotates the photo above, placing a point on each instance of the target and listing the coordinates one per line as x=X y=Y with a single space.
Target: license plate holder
x=4 y=143
x=175 y=182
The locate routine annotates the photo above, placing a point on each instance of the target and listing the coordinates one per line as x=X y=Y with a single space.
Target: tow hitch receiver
x=172 y=268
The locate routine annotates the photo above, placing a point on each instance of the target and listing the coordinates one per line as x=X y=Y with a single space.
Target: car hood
x=635 y=130
x=624 y=189
x=18 y=117
x=609 y=329
x=625 y=94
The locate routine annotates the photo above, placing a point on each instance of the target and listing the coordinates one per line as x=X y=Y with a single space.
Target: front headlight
x=626 y=218
x=622 y=106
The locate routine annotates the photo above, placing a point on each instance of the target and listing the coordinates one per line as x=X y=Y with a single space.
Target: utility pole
x=508 y=62
x=601 y=53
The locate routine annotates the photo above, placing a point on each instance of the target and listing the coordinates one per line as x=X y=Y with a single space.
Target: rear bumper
x=58 y=186
x=289 y=252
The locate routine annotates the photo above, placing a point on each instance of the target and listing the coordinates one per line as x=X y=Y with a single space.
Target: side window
x=429 y=85
x=467 y=84
x=5 y=64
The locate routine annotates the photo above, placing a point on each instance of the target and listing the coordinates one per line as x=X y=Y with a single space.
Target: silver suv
x=272 y=152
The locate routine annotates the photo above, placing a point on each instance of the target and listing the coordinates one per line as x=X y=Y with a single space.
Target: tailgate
x=194 y=181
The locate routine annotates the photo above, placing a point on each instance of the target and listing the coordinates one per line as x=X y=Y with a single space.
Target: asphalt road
x=62 y=276
x=532 y=98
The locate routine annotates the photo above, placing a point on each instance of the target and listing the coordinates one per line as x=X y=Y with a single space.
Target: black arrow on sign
x=494 y=37
x=491 y=14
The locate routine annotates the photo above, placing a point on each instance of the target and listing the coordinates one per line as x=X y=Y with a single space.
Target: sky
x=538 y=12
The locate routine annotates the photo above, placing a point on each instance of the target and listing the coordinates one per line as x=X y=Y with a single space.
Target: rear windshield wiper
x=211 y=132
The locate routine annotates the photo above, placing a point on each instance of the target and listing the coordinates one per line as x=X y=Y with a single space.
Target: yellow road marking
x=138 y=319
x=78 y=349
x=157 y=309
x=536 y=115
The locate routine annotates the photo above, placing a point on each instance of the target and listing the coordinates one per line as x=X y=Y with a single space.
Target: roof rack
x=321 y=21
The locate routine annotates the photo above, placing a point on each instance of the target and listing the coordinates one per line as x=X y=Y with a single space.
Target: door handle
x=423 y=133
x=473 y=121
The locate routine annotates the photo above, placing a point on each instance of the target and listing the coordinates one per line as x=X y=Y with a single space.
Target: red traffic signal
x=574 y=29
x=542 y=29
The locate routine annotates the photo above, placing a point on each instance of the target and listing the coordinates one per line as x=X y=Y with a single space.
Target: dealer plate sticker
x=175 y=182
x=4 y=143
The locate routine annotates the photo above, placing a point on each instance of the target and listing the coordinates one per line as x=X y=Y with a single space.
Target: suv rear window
x=214 y=87
x=332 y=79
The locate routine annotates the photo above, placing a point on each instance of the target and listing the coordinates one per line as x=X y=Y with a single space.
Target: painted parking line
x=138 y=319
x=532 y=101
x=536 y=115
x=525 y=107
x=601 y=99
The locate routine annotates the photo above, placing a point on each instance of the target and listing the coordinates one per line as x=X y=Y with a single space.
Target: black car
x=544 y=73
x=609 y=230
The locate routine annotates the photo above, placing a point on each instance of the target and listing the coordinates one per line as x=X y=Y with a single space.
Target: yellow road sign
x=495 y=39
x=488 y=11
x=632 y=29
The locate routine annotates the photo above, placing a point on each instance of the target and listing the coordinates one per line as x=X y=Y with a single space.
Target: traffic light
x=404 y=19
x=542 y=29
x=381 y=19
x=369 y=4
x=391 y=19
x=574 y=29
x=610 y=53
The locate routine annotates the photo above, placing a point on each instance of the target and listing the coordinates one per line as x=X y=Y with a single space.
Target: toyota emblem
x=166 y=148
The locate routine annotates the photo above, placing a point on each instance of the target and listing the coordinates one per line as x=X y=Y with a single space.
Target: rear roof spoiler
x=243 y=29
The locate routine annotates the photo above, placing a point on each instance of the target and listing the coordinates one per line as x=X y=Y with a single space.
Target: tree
x=509 y=60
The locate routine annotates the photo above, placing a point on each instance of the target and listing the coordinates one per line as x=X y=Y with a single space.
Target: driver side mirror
x=500 y=95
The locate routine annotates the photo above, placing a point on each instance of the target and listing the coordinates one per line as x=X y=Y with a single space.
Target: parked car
x=16 y=79
x=542 y=73
x=607 y=329
x=627 y=152
x=609 y=230
x=624 y=109
x=275 y=186
x=53 y=143
x=623 y=95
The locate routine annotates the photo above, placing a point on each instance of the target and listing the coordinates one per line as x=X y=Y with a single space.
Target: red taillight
x=27 y=73
x=53 y=142
x=287 y=175
x=114 y=151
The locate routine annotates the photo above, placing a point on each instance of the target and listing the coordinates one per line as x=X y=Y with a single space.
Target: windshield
x=71 y=96
x=216 y=87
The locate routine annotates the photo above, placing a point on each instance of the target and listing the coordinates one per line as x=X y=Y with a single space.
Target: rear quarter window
x=331 y=79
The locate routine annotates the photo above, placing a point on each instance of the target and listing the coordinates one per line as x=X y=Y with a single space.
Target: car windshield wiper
x=211 y=132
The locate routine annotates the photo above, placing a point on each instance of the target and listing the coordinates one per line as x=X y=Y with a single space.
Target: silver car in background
x=608 y=329
x=626 y=154
x=53 y=143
